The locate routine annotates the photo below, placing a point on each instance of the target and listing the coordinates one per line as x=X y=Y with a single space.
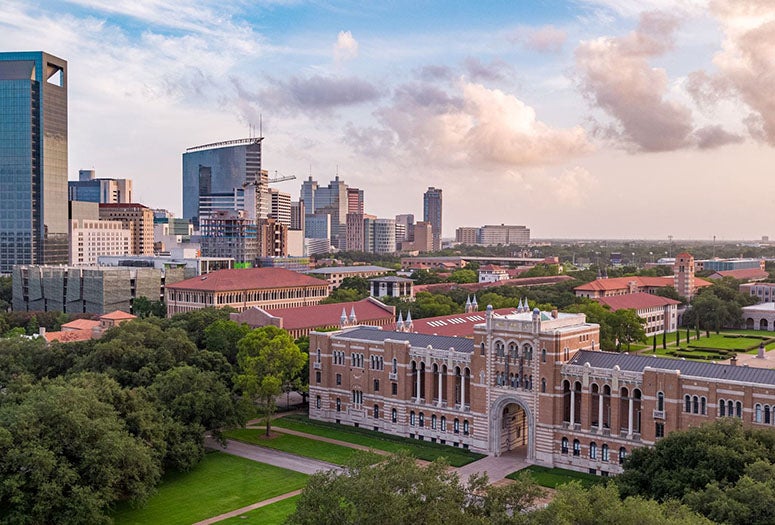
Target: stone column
x=630 y=415
x=600 y=412
x=463 y=389
x=572 y=405
x=441 y=382
x=419 y=393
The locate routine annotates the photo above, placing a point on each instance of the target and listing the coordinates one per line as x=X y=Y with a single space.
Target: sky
x=576 y=118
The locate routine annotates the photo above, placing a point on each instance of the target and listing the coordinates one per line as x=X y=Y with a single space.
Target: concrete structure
x=332 y=200
x=267 y=288
x=759 y=316
x=467 y=235
x=355 y=233
x=302 y=320
x=280 y=206
x=660 y=314
x=490 y=273
x=406 y=220
x=87 y=290
x=89 y=188
x=297 y=215
x=272 y=238
x=90 y=239
x=503 y=234
x=532 y=382
x=33 y=159
x=382 y=233
x=423 y=239
x=765 y=292
x=296 y=264
x=336 y=274
x=432 y=213
x=138 y=219
x=743 y=274
x=355 y=200
x=191 y=264
x=316 y=246
x=685 y=282
x=391 y=286
x=721 y=265
x=230 y=234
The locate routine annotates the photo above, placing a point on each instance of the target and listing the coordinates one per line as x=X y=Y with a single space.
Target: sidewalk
x=243 y=510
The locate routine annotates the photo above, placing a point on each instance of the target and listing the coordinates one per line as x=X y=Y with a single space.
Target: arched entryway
x=512 y=429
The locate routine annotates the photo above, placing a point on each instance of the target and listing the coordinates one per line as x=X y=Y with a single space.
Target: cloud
x=545 y=39
x=478 y=71
x=346 y=47
x=711 y=137
x=474 y=127
x=433 y=72
x=573 y=187
x=616 y=76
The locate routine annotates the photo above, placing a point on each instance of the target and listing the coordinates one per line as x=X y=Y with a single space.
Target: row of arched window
x=514 y=351
x=377 y=362
x=514 y=380
x=338 y=357
x=437 y=423
x=730 y=408
x=603 y=454
x=356 y=360
x=692 y=404
x=764 y=414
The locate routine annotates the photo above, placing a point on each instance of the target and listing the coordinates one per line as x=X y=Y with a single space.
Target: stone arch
x=496 y=422
x=749 y=323
x=763 y=324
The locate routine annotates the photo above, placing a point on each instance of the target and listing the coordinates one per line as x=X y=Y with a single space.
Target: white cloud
x=346 y=47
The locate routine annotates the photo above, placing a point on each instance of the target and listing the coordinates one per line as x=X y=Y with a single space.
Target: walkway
x=243 y=510
x=327 y=440
x=271 y=456
x=496 y=467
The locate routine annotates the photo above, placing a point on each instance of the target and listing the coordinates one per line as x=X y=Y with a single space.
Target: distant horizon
x=570 y=117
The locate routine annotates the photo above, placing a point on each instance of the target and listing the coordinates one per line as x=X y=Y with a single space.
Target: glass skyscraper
x=33 y=159
x=431 y=213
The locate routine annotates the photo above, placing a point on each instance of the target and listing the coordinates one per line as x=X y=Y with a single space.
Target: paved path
x=327 y=440
x=271 y=456
x=243 y=510
x=496 y=467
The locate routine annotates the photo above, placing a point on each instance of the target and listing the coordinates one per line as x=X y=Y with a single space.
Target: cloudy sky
x=577 y=118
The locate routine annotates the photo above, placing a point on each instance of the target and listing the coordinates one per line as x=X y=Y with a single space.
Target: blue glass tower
x=33 y=159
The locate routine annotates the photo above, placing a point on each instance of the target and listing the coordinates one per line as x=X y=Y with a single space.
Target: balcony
x=393 y=376
x=659 y=414
x=316 y=365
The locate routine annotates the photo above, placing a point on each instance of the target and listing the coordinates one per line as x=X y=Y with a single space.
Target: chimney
x=733 y=361
x=554 y=314
x=42 y=331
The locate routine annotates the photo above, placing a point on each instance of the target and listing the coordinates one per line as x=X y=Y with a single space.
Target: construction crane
x=281 y=178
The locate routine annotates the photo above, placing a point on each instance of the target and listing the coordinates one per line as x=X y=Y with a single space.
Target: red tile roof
x=637 y=301
x=329 y=314
x=455 y=325
x=619 y=283
x=68 y=337
x=745 y=274
x=247 y=279
x=118 y=315
x=81 y=324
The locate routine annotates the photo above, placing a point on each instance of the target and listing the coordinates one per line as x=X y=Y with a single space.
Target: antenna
x=260 y=125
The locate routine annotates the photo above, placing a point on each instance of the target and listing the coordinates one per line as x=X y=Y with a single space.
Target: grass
x=274 y=514
x=219 y=483
x=301 y=446
x=554 y=477
x=425 y=450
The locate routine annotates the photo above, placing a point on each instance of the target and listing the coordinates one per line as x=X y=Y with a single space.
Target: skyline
x=540 y=107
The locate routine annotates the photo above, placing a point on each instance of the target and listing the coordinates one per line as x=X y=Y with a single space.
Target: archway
x=512 y=429
x=749 y=324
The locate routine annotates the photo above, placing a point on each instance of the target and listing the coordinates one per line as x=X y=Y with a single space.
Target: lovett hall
x=531 y=382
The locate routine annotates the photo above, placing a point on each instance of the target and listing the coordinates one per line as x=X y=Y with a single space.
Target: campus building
x=531 y=383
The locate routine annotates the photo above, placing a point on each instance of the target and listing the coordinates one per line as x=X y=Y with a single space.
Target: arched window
x=593 y=450
x=757 y=414
x=318 y=355
x=722 y=408
x=661 y=401
x=411 y=418
x=576 y=447
x=767 y=414
x=481 y=351
x=738 y=409
x=687 y=403
x=604 y=451
x=394 y=415
x=622 y=454
x=317 y=402
x=376 y=411
x=730 y=408
x=695 y=405
x=456 y=426
x=466 y=427
x=422 y=419
x=564 y=445
x=443 y=423
x=703 y=406
x=499 y=349
x=395 y=365
x=543 y=385
x=433 y=421
x=338 y=405
x=543 y=355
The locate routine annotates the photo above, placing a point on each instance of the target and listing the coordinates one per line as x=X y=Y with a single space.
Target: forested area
x=85 y=425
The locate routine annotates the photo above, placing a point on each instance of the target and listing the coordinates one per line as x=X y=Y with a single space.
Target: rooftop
x=117 y=315
x=349 y=269
x=392 y=279
x=742 y=274
x=454 y=325
x=762 y=307
x=636 y=301
x=329 y=314
x=638 y=363
x=366 y=333
x=247 y=279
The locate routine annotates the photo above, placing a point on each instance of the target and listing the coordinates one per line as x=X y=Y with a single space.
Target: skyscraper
x=431 y=213
x=33 y=159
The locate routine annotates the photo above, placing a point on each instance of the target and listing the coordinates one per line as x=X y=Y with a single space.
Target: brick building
x=531 y=383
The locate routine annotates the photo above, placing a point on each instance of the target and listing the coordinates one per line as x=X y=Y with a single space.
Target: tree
x=669 y=292
x=144 y=307
x=268 y=359
x=627 y=326
x=222 y=336
x=463 y=275
x=397 y=490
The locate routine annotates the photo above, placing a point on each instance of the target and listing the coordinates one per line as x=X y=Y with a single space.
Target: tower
x=684 y=275
x=432 y=214
x=33 y=159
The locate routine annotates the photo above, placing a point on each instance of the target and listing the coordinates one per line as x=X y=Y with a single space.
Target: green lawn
x=554 y=477
x=360 y=436
x=219 y=483
x=301 y=446
x=273 y=514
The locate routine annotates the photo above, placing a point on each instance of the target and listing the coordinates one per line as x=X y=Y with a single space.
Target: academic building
x=528 y=383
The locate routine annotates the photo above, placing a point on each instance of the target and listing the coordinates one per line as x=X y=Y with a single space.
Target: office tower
x=467 y=235
x=139 y=220
x=354 y=200
x=308 y=189
x=223 y=169
x=280 y=207
x=384 y=237
x=89 y=188
x=407 y=221
x=432 y=213
x=33 y=159
x=297 y=215
x=504 y=234
x=355 y=232
x=423 y=237
x=317 y=226
x=230 y=233
x=331 y=200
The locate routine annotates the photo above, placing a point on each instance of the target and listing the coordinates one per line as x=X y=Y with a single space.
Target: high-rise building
x=229 y=233
x=91 y=189
x=354 y=200
x=432 y=213
x=684 y=275
x=33 y=159
x=297 y=215
x=317 y=226
x=504 y=234
x=467 y=235
x=331 y=200
x=355 y=232
x=139 y=220
x=407 y=221
x=223 y=168
x=280 y=207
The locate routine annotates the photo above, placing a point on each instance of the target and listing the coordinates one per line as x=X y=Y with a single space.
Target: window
x=564 y=445
x=318 y=355
x=394 y=389
x=593 y=450
x=376 y=411
x=767 y=414
x=622 y=454
x=721 y=408
x=466 y=427
x=481 y=347
x=543 y=385
x=543 y=355
x=687 y=403
x=661 y=401
x=695 y=405
x=376 y=385
x=703 y=406
x=338 y=405
x=317 y=402
x=433 y=421
x=317 y=376
x=443 y=423
x=421 y=419
x=411 y=418
x=394 y=415
x=659 y=430
x=395 y=365
x=738 y=409
x=576 y=447
x=338 y=379
x=456 y=426
x=605 y=452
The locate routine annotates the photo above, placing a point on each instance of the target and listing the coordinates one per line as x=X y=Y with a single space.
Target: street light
x=652 y=256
